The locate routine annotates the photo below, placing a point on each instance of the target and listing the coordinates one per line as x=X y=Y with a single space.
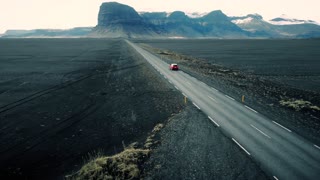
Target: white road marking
x=275 y=178
x=176 y=87
x=23 y=83
x=215 y=89
x=316 y=146
x=196 y=105
x=212 y=98
x=184 y=95
x=241 y=146
x=214 y=121
x=188 y=83
x=250 y=109
x=229 y=97
x=260 y=131
x=282 y=126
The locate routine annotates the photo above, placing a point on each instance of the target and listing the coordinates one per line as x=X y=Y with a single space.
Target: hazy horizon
x=61 y=14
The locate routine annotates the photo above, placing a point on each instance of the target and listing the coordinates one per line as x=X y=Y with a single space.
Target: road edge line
x=215 y=89
x=240 y=146
x=282 y=126
x=214 y=121
x=229 y=97
x=196 y=105
x=250 y=108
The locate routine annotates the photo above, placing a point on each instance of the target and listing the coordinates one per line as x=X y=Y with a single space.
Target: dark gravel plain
x=65 y=101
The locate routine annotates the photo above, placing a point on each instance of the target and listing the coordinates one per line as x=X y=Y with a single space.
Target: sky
x=63 y=14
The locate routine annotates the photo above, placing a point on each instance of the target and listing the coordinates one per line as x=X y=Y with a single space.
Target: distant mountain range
x=44 y=33
x=119 y=20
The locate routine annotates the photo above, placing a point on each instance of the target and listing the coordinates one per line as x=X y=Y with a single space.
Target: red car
x=174 y=67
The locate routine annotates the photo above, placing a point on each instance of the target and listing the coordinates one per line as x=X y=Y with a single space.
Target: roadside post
x=242 y=99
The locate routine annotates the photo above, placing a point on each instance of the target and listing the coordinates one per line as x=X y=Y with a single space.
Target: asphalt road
x=279 y=151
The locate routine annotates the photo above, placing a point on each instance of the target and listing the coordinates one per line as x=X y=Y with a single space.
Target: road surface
x=279 y=151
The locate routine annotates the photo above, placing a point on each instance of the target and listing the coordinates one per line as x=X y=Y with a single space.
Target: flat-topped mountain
x=115 y=13
x=119 y=20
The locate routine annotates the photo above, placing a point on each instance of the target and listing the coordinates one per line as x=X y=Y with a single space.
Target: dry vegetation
x=299 y=104
x=126 y=165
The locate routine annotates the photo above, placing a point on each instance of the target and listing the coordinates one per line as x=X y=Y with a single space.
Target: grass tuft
x=299 y=104
x=125 y=165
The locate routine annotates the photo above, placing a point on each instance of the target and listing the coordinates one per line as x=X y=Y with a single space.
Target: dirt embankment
x=297 y=109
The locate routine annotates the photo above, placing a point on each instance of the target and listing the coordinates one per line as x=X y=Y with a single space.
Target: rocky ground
x=295 y=108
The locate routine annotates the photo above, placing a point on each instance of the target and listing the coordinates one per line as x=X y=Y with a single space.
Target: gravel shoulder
x=192 y=147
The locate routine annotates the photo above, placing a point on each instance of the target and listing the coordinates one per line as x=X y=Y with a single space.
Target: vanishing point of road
x=278 y=150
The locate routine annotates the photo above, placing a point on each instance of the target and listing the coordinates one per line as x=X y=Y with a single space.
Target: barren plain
x=66 y=102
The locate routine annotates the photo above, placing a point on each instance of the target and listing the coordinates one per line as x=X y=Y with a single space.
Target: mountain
x=178 y=24
x=258 y=27
x=119 y=20
x=217 y=24
x=255 y=24
x=42 y=33
x=285 y=20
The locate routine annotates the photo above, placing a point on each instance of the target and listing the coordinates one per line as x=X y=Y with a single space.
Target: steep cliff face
x=119 y=20
x=114 y=13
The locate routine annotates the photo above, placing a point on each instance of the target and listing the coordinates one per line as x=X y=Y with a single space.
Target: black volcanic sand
x=266 y=72
x=65 y=101
x=62 y=100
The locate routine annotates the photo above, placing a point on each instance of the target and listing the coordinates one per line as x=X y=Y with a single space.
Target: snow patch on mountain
x=168 y=14
x=242 y=21
x=286 y=20
x=196 y=14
